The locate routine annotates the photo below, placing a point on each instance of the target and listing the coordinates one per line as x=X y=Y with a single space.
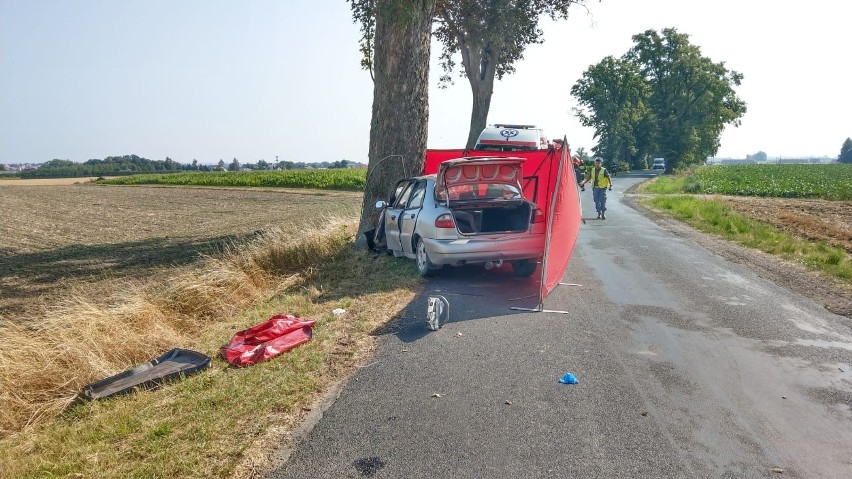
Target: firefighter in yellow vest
x=601 y=181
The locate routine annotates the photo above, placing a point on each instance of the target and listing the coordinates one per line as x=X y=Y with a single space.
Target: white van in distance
x=659 y=164
x=502 y=137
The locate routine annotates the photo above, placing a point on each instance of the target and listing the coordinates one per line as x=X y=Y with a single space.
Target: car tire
x=524 y=268
x=421 y=258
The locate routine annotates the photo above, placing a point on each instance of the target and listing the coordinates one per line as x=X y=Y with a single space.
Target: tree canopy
x=111 y=165
x=661 y=98
x=615 y=97
x=490 y=36
x=846 y=152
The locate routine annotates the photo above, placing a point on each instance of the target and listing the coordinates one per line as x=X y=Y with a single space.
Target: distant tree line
x=133 y=164
x=111 y=165
x=292 y=165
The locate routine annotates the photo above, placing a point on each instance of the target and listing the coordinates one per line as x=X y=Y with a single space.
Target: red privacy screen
x=548 y=181
x=539 y=169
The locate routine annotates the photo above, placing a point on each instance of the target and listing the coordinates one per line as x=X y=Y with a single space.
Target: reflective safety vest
x=599 y=177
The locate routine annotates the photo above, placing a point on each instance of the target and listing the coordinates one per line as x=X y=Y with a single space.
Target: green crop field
x=831 y=182
x=331 y=179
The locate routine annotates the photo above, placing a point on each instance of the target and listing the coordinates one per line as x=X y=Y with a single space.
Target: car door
x=408 y=216
x=393 y=214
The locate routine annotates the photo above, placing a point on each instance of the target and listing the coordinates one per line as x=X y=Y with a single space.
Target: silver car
x=472 y=211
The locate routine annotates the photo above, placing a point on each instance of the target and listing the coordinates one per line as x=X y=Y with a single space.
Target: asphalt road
x=688 y=366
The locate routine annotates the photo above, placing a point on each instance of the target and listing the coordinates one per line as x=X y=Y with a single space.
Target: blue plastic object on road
x=568 y=378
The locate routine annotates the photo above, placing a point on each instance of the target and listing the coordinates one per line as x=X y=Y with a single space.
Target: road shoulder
x=834 y=295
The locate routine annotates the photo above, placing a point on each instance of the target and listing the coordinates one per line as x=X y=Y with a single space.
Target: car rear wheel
x=524 y=268
x=424 y=265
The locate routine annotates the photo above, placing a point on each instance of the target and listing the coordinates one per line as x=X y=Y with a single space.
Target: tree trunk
x=400 y=100
x=480 y=68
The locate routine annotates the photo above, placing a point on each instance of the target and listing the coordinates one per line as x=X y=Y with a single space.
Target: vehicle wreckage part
x=437 y=312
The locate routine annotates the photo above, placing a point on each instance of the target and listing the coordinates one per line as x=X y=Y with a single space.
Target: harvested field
x=55 y=237
x=46 y=181
x=829 y=221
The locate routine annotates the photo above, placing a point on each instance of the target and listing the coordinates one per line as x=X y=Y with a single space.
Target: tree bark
x=399 y=125
x=480 y=69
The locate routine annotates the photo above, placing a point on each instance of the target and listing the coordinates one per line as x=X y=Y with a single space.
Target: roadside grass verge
x=330 y=179
x=664 y=185
x=220 y=422
x=717 y=218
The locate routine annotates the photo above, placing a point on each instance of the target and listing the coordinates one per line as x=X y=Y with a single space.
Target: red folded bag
x=278 y=334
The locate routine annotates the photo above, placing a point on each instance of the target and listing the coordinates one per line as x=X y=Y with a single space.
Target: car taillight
x=445 y=221
x=538 y=217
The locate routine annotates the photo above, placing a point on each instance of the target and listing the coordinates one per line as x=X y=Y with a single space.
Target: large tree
x=613 y=99
x=397 y=35
x=679 y=114
x=846 y=152
x=490 y=36
x=692 y=97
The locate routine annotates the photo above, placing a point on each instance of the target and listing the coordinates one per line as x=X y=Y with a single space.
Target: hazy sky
x=256 y=79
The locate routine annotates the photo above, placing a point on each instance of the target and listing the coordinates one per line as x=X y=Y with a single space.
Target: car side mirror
x=381 y=204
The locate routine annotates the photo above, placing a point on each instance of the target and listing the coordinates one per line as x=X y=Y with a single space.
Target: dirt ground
x=55 y=237
x=830 y=221
x=46 y=181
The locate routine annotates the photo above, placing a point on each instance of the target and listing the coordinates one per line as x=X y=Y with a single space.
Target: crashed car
x=471 y=212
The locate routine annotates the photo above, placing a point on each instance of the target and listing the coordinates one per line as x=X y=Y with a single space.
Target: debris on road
x=436 y=395
x=437 y=312
x=777 y=470
x=568 y=378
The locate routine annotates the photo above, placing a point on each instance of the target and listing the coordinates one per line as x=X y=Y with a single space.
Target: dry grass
x=187 y=429
x=82 y=339
x=120 y=275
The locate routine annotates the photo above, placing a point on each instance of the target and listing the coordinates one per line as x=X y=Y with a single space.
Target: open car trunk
x=511 y=217
x=485 y=195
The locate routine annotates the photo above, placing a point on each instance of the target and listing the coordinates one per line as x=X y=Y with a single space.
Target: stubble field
x=815 y=219
x=56 y=237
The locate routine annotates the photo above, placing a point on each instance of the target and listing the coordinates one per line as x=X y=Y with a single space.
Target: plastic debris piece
x=777 y=470
x=437 y=312
x=568 y=378
x=644 y=413
x=436 y=395
x=338 y=311
x=508 y=403
x=172 y=365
